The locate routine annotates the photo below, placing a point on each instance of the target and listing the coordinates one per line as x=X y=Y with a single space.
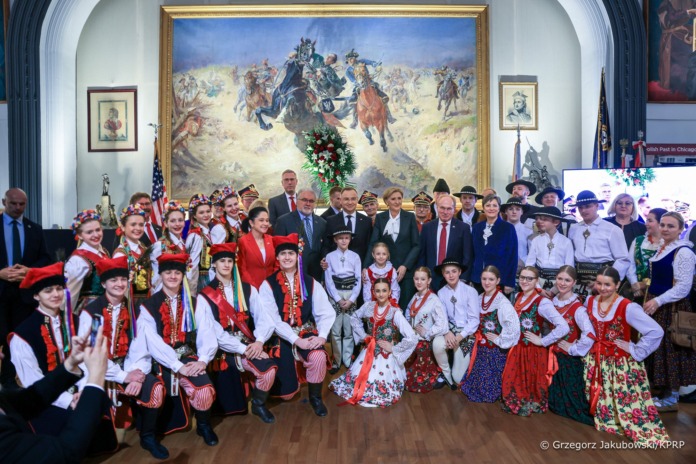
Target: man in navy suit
x=22 y=246
x=360 y=224
x=286 y=202
x=310 y=227
x=445 y=237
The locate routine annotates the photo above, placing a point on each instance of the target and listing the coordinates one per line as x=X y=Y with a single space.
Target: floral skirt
x=525 y=388
x=567 y=390
x=483 y=384
x=671 y=366
x=422 y=369
x=625 y=406
x=385 y=384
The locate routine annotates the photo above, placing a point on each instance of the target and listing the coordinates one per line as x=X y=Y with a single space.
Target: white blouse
x=402 y=350
x=582 y=345
x=77 y=269
x=431 y=316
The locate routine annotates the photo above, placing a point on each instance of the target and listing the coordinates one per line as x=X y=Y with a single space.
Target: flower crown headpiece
x=171 y=207
x=132 y=210
x=83 y=216
x=227 y=191
x=197 y=200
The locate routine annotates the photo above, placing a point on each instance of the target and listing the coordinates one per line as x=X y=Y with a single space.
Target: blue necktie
x=308 y=230
x=16 y=243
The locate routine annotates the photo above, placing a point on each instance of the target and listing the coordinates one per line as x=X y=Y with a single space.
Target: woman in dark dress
x=623 y=213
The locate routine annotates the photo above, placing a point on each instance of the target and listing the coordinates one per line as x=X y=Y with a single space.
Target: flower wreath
x=328 y=159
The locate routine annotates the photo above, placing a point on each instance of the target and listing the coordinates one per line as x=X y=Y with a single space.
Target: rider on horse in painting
x=352 y=60
x=446 y=74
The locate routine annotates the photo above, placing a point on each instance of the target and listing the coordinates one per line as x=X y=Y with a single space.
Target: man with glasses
x=445 y=237
x=310 y=227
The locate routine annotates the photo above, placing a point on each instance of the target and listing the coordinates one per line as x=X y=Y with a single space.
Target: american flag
x=159 y=191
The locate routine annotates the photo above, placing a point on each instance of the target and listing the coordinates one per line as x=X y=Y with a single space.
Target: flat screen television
x=672 y=188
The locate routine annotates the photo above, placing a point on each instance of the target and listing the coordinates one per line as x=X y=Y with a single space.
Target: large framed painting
x=671 y=49
x=406 y=87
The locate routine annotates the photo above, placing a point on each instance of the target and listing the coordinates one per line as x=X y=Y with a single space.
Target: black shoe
x=315 y=399
x=206 y=431
x=157 y=450
x=440 y=383
x=334 y=369
x=258 y=406
x=690 y=398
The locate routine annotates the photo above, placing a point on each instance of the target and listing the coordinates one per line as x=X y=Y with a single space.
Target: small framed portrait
x=112 y=116
x=519 y=104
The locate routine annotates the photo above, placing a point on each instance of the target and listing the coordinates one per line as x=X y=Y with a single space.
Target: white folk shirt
x=463 y=307
x=324 y=313
x=551 y=253
x=27 y=365
x=650 y=331
x=77 y=269
x=523 y=233
x=211 y=335
x=159 y=349
x=218 y=234
x=548 y=311
x=134 y=247
x=342 y=264
x=137 y=356
x=606 y=242
x=468 y=218
x=431 y=316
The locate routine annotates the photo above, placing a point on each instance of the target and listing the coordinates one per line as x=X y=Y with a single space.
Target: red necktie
x=442 y=250
x=293 y=206
x=150 y=233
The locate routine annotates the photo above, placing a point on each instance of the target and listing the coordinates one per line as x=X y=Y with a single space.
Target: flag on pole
x=517 y=159
x=159 y=191
x=602 y=143
x=639 y=147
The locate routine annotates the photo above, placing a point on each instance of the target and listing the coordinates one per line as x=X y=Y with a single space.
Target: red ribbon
x=479 y=337
x=361 y=381
x=596 y=387
x=552 y=364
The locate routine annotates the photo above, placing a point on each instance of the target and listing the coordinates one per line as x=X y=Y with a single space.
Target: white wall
x=526 y=38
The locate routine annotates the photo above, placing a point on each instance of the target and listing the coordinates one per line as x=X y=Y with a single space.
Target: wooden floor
x=440 y=427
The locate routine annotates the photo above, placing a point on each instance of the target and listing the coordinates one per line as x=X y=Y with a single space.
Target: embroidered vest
x=662 y=273
x=205 y=260
x=227 y=325
x=30 y=331
x=641 y=258
x=91 y=285
x=140 y=269
x=569 y=316
x=306 y=310
x=530 y=320
x=153 y=305
x=385 y=331
x=607 y=332
x=98 y=307
x=489 y=323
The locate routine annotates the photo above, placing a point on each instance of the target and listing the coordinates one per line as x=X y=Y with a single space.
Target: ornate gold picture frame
x=239 y=84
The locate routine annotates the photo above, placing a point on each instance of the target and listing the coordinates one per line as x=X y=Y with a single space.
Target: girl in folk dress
x=498 y=331
x=428 y=319
x=525 y=388
x=566 y=368
x=672 y=272
x=131 y=230
x=616 y=380
x=170 y=242
x=377 y=376
x=228 y=227
x=80 y=269
x=199 y=241
x=381 y=267
x=642 y=249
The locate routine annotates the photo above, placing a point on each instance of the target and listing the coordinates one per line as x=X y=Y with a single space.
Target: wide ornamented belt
x=306 y=327
x=547 y=273
x=183 y=351
x=591 y=269
x=345 y=283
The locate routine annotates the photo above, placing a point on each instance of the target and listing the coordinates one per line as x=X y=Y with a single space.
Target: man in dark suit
x=18 y=443
x=22 y=246
x=446 y=237
x=334 y=203
x=468 y=213
x=310 y=227
x=359 y=224
x=286 y=201
x=152 y=231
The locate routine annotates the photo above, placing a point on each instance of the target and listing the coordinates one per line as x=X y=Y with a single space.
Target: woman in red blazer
x=255 y=252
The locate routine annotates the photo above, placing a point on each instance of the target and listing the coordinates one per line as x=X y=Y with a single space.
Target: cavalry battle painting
x=406 y=91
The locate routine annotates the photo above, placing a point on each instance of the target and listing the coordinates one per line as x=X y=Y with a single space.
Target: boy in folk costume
x=303 y=317
x=128 y=373
x=550 y=249
x=167 y=322
x=232 y=329
x=42 y=343
x=342 y=280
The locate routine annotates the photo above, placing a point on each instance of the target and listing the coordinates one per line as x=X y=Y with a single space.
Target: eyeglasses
x=527 y=278
x=307 y=200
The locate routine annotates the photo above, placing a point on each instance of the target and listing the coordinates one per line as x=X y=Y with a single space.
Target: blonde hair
x=381 y=244
x=391 y=191
x=612 y=209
